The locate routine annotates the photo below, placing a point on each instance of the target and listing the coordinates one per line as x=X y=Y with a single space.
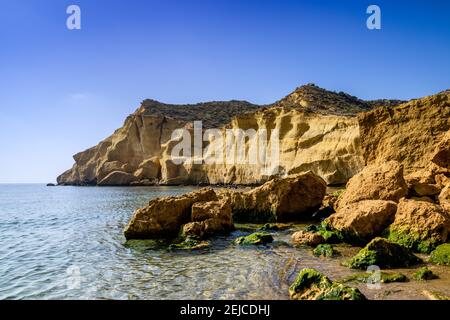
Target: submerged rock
x=282 y=199
x=384 y=254
x=312 y=285
x=441 y=255
x=256 y=238
x=359 y=222
x=375 y=182
x=324 y=250
x=419 y=225
x=189 y=244
x=424 y=274
x=374 y=277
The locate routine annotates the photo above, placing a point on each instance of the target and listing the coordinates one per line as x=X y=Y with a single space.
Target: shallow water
x=67 y=243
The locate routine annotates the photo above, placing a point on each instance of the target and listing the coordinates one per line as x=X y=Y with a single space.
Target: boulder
x=209 y=218
x=163 y=217
x=312 y=285
x=384 y=254
x=117 y=178
x=359 y=222
x=441 y=255
x=375 y=182
x=444 y=198
x=307 y=238
x=282 y=199
x=419 y=225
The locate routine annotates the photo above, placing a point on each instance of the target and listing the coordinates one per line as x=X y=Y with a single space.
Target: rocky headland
x=394 y=160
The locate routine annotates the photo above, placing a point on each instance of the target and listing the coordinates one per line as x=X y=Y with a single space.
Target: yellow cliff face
x=311 y=129
x=141 y=151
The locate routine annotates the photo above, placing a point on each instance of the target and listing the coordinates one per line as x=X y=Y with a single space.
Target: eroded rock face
x=318 y=132
x=209 y=218
x=282 y=199
x=375 y=182
x=409 y=133
x=312 y=285
x=420 y=225
x=362 y=221
x=164 y=217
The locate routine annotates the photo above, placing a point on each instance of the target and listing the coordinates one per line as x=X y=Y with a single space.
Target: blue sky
x=63 y=91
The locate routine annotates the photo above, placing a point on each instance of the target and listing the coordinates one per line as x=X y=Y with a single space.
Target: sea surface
x=68 y=243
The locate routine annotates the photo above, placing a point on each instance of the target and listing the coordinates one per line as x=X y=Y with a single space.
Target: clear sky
x=63 y=91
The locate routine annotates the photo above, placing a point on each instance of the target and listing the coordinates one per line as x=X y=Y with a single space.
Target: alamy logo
x=227 y=147
x=374 y=20
x=73 y=21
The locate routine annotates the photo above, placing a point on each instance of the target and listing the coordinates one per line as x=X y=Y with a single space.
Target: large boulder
x=419 y=225
x=375 y=182
x=312 y=285
x=384 y=254
x=359 y=222
x=163 y=217
x=209 y=218
x=282 y=199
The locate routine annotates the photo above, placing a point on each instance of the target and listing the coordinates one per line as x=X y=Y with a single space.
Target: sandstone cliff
x=409 y=133
x=318 y=132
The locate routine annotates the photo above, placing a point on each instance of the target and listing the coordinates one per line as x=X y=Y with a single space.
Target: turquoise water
x=68 y=243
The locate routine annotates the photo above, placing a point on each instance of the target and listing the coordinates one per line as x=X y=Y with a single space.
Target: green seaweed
x=372 y=277
x=189 y=244
x=424 y=274
x=312 y=285
x=324 y=250
x=441 y=255
x=384 y=254
x=411 y=241
x=256 y=238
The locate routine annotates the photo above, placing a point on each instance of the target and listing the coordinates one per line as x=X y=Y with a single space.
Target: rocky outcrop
x=382 y=181
x=419 y=225
x=292 y=198
x=410 y=133
x=312 y=285
x=317 y=128
x=164 y=217
x=359 y=222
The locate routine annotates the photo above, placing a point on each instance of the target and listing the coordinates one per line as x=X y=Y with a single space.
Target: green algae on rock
x=424 y=274
x=324 y=250
x=255 y=239
x=373 y=277
x=419 y=226
x=312 y=285
x=441 y=255
x=190 y=244
x=384 y=254
x=329 y=234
